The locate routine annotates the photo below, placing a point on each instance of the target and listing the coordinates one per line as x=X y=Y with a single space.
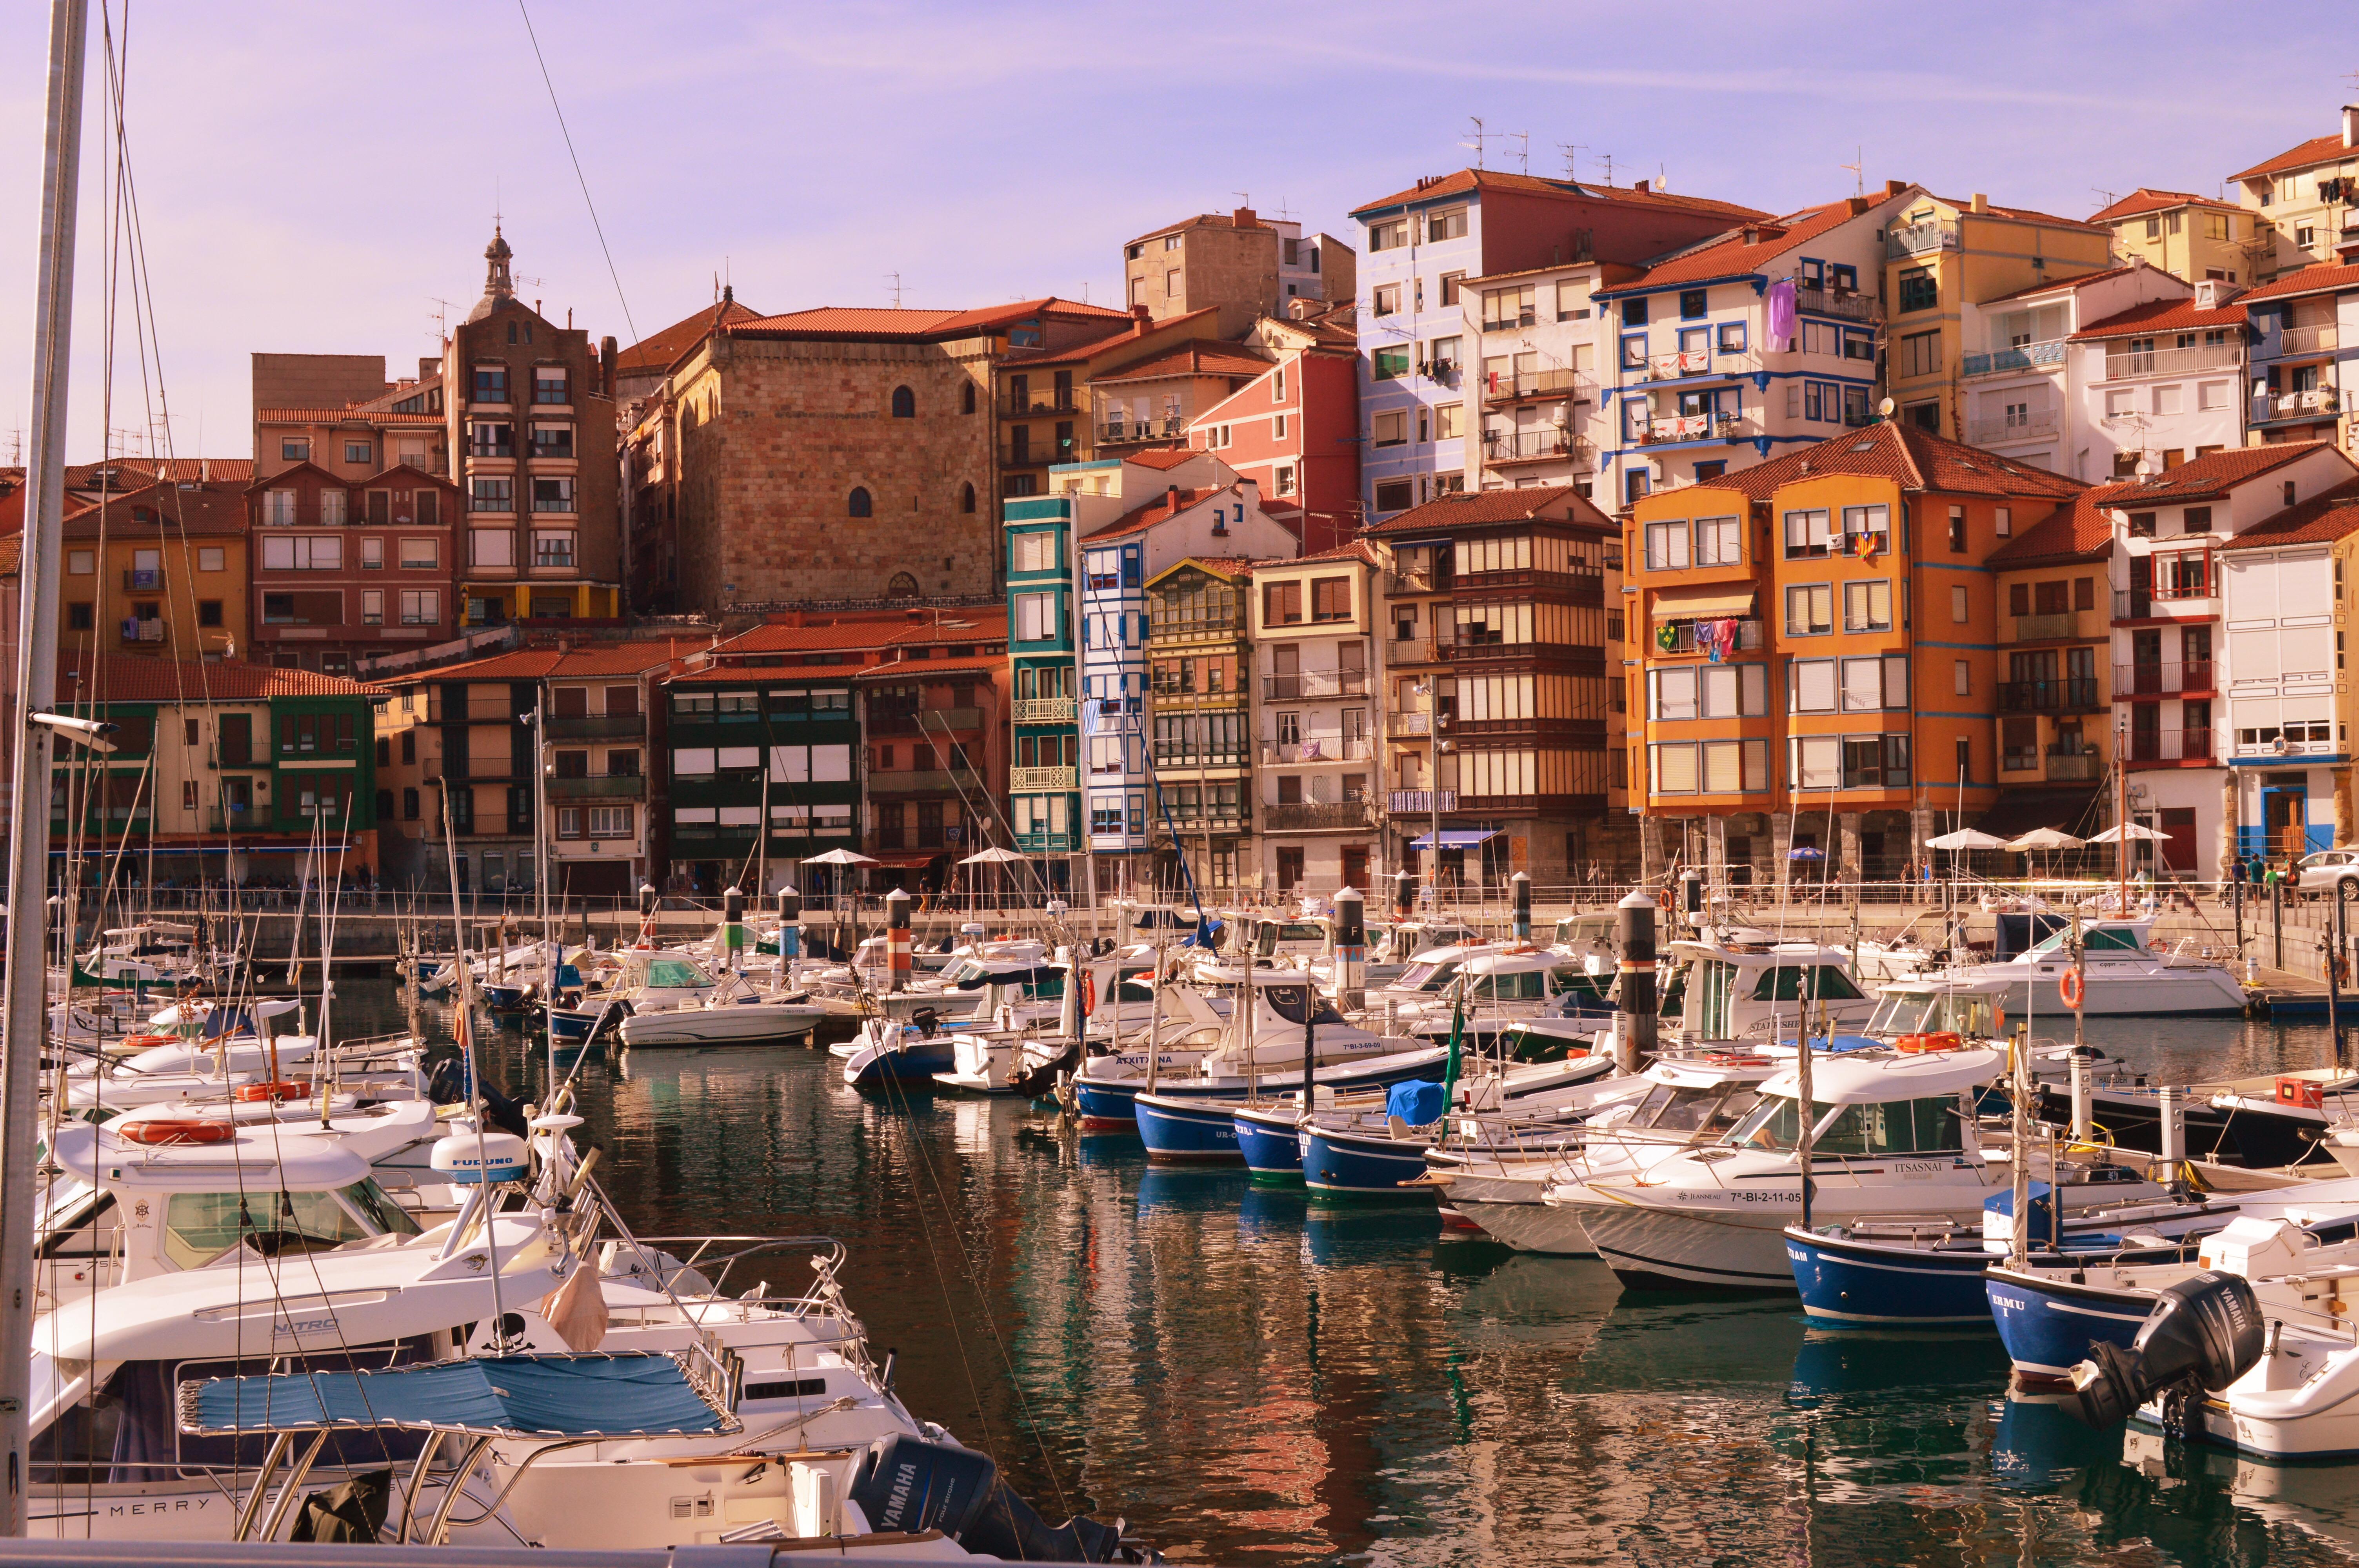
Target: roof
x=357 y=413
x=1732 y=256
x=2327 y=148
x=2054 y=283
x=2019 y=214
x=843 y=321
x=12 y=554
x=2208 y=477
x=2163 y=316
x=892 y=667
x=1482 y=506
x=1357 y=550
x=1917 y=460
x=181 y=470
x=2311 y=279
x=2077 y=531
x=1467 y=180
x=120 y=678
x=1170 y=505
x=658 y=349
x=635 y=657
x=210 y=510
x=1203 y=221
x=2331 y=515
x=1219 y=565
x=874 y=629
x=1079 y=354
x=2145 y=199
x=1196 y=358
x=1163 y=457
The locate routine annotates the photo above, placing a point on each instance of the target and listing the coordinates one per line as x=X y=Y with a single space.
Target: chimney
x=1981 y=203
x=1638 y=185
x=2351 y=124
x=1243 y=217
x=1858 y=205
x=1141 y=313
x=608 y=351
x=1894 y=187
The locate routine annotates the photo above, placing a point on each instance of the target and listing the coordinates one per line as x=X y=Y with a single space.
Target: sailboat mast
x=37 y=674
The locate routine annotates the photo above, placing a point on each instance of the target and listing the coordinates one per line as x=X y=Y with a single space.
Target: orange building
x=1818 y=654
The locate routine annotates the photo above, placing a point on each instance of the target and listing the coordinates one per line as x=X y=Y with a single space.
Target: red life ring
x=169 y=1133
x=1914 y=1045
x=251 y=1093
x=2072 y=988
x=1088 y=993
x=150 y=1042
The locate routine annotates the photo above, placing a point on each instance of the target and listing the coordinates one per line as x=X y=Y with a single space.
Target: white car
x=2326 y=870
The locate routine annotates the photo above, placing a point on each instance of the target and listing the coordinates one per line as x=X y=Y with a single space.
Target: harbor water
x=1253 y=1377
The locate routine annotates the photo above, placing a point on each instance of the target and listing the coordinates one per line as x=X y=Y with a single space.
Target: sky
x=318 y=179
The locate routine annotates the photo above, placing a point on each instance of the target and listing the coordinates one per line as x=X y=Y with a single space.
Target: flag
x=1457 y=1034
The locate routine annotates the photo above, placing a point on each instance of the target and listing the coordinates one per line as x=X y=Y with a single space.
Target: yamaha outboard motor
x=2207 y=1329
x=908 y=1483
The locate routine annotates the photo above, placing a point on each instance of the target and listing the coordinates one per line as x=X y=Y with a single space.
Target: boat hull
x=1528 y=1227
x=1187 y=1131
x=908 y=1065
x=1270 y=1139
x=1108 y=1100
x=2048 y=1325
x=747 y=1023
x=1847 y=1280
x=1371 y=1164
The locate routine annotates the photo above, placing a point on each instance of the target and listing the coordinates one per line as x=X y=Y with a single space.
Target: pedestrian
x=2256 y=868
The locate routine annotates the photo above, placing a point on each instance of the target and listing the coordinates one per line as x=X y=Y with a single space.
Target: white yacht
x=2127 y=974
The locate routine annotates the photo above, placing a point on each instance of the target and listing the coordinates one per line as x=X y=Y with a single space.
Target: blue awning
x=632 y=1394
x=1454 y=839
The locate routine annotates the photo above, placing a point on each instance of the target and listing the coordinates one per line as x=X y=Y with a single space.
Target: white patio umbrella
x=2132 y=831
x=841 y=857
x=995 y=856
x=2046 y=839
x=1966 y=838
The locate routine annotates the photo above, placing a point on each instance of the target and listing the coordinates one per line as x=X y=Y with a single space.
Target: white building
x=1531 y=377
x=2160 y=383
x=1318 y=715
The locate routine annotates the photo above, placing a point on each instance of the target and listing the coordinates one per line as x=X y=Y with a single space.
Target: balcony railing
x=1184 y=754
x=147 y=580
x=1032 y=456
x=1674 y=366
x=2021 y=357
x=1040 y=778
x=928 y=721
x=2308 y=340
x=1043 y=403
x=1414 y=650
x=1569 y=383
x=2060 y=625
x=2134 y=605
x=2297 y=404
x=1314 y=683
x=2164 y=679
x=2122 y=365
x=2170 y=745
x=1916 y=239
x=2074 y=767
x=1535 y=445
x=1312 y=817
x=1354 y=750
x=923 y=780
x=1407 y=726
x=2048 y=696
x=610 y=786
x=1848 y=303
x=2032 y=424
x=1164 y=427
x=1412 y=582
x=136 y=631
x=1421 y=802
x=1691 y=428
x=597 y=726
x=1044 y=710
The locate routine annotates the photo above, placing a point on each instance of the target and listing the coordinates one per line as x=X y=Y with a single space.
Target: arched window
x=905 y=403
x=861 y=506
x=966 y=398
x=966 y=499
x=903 y=586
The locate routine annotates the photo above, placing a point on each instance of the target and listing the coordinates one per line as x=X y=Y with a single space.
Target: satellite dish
x=1885 y=408
x=2145 y=468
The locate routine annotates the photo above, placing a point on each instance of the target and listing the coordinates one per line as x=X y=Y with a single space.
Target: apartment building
x=1496 y=663
x=1154 y=401
x=2158 y=384
x=1319 y=719
x=2192 y=237
x=1765 y=338
x=2304 y=330
x=1819 y=665
x=2185 y=730
x=1041 y=394
x=1294 y=429
x=1530 y=374
x=2304 y=204
x=158 y=572
x=342 y=414
x=1423 y=243
x=224 y=771
x=1942 y=256
x=1079 y=562
x=346 y=568
x=463 y=769
x=2054 y=679
x=1238 y=263
x=2028 y=391
x=1199 y=654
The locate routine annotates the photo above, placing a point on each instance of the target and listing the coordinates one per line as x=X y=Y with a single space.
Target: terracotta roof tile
x=657 y=350
x=2314 y=278
x=123 y=678
x=2053 y=284
x=873 y=630
x=2329 y=515
x=1162 y=458
x=2022 y=214
x=12 y=554
x=355 y=413
x=181 y=470
x=2327 y=148
x=2145 y=199
x=845 y=321
x=1484 y=506
x=1732 y=256
x=1198 y=358
x=1082 y=353
x=2077 y=531
x=1471 y=179
x=212 y=510
x=1170 y=504
x=1917 y=458
x=2165 y=316
x=2208 y=477
x=1356 y=550
x=635 y=657
x=904 y=668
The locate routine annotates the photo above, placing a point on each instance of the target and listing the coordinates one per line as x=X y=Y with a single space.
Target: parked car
x=2323 y=870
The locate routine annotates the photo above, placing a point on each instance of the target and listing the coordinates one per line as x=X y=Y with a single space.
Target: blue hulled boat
x=1364 y=1161
x=2048 y=1318
x=1269 y=1138
x=1187 y=1131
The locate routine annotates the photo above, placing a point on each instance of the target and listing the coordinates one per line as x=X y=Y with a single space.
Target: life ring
x=150 y=1042
x=167 y=1132
x=1663 y=900
x=1916 y=1045
x=1088 y=993
x=2072 y=988
x=2159 y=946
x=252 y=1093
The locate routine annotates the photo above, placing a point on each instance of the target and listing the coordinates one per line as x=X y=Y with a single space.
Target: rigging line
x=925 y=1229
x=578 y=174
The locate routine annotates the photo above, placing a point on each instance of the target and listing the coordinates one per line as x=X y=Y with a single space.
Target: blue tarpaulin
x=1417 y=1102
x=1453 y=839
x=634 y=1394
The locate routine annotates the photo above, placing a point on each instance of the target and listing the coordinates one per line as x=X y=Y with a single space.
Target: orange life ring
x=150 y=1042
x=251 y=1092
x=1088 y=993
x=2072 y=988
x=1915 y=1044
x=167 y=1132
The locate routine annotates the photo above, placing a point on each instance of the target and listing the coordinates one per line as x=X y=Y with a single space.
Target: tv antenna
x=1572 y=151
x=1285 y=213
x=2109 y=196
x=1476 y=121
x=1245 y=198
x=441 y=313
x=1858 y=167
x=1606 y=162
x=894 y=280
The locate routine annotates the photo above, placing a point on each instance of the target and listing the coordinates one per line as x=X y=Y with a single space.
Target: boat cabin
x=1975 y=1010
x=1731 y=987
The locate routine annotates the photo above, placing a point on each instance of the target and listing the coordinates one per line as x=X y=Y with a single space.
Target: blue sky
x=312 y=178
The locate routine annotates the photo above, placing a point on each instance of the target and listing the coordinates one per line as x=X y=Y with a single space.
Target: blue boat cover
x=1840 y=1042
x=631 y=1394
x=1418 y=1102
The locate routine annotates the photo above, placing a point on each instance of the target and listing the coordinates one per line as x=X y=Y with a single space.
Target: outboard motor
x=905 y=1483
x=2207 y=1330
x=928 y=1023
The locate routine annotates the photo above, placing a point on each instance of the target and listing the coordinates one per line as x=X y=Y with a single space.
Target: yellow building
x=1940 y=256
x=159 y=571
x=2304 y=202
x=2188 y=237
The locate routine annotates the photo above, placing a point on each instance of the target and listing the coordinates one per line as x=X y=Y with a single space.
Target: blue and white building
x=2305 y=330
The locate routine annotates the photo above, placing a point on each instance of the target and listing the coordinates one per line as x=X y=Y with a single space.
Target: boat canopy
x=1870 y=1080
x=625 y=1394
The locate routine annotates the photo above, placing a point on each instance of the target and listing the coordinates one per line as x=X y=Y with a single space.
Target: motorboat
x=1739 y=984
x=2125 y=973
x=2263 y=1122
x=732 y=1013
x=1501 y=986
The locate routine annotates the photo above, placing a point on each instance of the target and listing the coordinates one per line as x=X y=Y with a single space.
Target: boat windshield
x=1797 y=982
x=1952 y=1012
x=1711 y=1108
x=377 y=1206
x=673 y=972
x=1289 y=1003
x=1530 y=985
x=2095 y=940
x=200 y=1226
x=1885 y=1127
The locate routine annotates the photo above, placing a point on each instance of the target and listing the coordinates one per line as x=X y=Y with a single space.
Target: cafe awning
x=1463 y=839
x=1705 y=601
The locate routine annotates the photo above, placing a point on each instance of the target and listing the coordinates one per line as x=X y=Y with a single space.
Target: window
x=905 y=403
x=1808 y=533
x=2198 y=520
x=1718 y=541
x=1921 y=353
x=279 y=509
x=491 y=494
x=1867 y=530
x=1388 y=235
x=1394 y=495
x=1449 y=224
x=208 y=612
x=333 y=508
x=1729 y=337
x=1509 y=308
x=552 y=440
x=1386 y=299
x=1036 y=619
x=82 y=563
x=295 y=450
x=359 y=452
x=1810 y=609
x=1449 y=282
x=302 y=553
x=1281 y=604
x=372 y=607
x=490 y=547
x=858 y=503
x=1330 y=598
x=422 y=555
x=1572 y=301
x=1867 y=606
x=491 y=384
x=1389 y=430
x=1957 y=530
x=1667 y=547
x=1634 y=311
x=77 y=616
x=1444 y=354
x=420 y=607
x=553 y=496
x=1389 y=364
x=1918 y=290
x=211 y=559
x=372 y=554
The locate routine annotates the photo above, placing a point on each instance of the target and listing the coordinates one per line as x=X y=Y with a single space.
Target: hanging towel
x=1781 y=314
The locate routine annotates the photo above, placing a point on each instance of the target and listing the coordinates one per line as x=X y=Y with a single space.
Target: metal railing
x=2074 y=767
x=1156 y=428
x=2048 y=696
x=2120 y=365
x=137 y=579
x=1528 y=446
x=2133 y=605
x=1354 y=750
x=1414 y=802
x=1029 y=455
x=1916 y=239
x=1679 y=363
x=1314 y=683
x=2308 y=340
x=2164 y=679
x=2030 y=425
x=1570 y=383
x=1402 y=725
x=1848 y=303
x=1047 y=403
x=2048 y=627
x=2020 y=357
x=1041 y=778
x=2297 y=404
x=2169 y=746
x=1044 y=710
x=1312 y=816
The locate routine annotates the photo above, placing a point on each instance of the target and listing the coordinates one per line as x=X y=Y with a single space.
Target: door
x=2177 y=850
x=1289 y=869
x=1355 y=866
x=236 y=740
x=2284 y=819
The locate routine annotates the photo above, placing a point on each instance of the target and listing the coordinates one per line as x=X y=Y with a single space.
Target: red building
x=1294 y=429
x=345 y=569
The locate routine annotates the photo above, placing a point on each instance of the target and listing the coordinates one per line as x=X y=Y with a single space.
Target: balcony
x=597 y=726
x=1503 y=446
x=1184 y=754
x=1355 y=749
x=2060 y=626
x=2276 y=406
x=1920 y=239
x=1028 y=456
x=143 y=580
x=1680 y=427
x=1408 y=726
x=1397 y=583
x=2078 y=696
x=2133 y=605
x=1313 y=817
x=2043 y=355
x=1848 y=303
x=2036 y=424
x=2321 y=339
x=1314 y=683
x=2169 y=746
x=1404 y=652
x=1023 y=779
x=1419 y=802
x=2075 y=767
x=1678 y=366
x=2173 y=361
x=1045 y=404
x=135 y=631
x=1539 y=384
x=2191 y=677
x=610 y=786
x=1165 y=428
x=929 y=721
x=1044 y=710
x=922 y=780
